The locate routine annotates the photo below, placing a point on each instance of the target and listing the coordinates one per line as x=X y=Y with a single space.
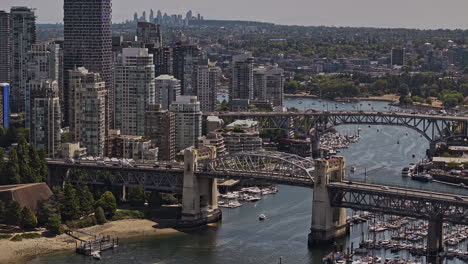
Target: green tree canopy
x=86 y=200
x=12 y=213
x=136 y=196
x=28 y=219
x=69 y=204
x=108 y=204
x=99 y=214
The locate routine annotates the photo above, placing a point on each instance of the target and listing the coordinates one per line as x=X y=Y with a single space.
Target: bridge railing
x=408 y=183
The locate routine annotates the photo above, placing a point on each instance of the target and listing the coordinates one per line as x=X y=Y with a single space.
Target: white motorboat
x=262 y=217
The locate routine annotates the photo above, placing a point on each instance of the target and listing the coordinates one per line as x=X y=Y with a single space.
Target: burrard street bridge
x=435 y=128
x=196 y=180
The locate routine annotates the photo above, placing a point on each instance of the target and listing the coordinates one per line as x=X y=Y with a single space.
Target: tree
x=100 y=217
x=43 y=168
x=36 y=163
x=86 y=200
x=404 y=89
x=108 y=203
x=12 y=213
x=136 y=197
x=47 y=208
x=54 y=224
x=28 y=219
x=155 y=200
x=2 y=212
x=69 y=204
x=12 y=169
x=65 y=137
x=27 y=174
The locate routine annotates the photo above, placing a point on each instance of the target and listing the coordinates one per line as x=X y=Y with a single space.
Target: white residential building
x=134 y=90
x=188 y=121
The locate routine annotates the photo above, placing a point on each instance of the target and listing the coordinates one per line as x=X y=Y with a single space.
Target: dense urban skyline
x=399 y=13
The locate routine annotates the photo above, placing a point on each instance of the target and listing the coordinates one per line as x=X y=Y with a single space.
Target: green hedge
x=25 y=236
x=5 y=236
x=127 y=214
x=86 y=221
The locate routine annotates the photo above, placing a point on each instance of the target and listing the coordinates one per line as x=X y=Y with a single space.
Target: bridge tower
x=199 y=195
x=327 y=222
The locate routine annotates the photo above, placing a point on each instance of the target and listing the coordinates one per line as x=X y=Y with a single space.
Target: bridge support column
x=124 y=193
x=435 y=242
x=328 y=223
x=199 y=196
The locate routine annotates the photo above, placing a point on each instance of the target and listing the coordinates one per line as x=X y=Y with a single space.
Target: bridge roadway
x=435 y=128
x=400 y=201
x=359 y=196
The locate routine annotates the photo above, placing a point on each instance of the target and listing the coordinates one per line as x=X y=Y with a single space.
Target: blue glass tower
x=5 y=109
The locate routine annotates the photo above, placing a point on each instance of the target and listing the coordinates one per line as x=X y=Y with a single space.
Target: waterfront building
x=167 y=89
x=206 y=81
x=398 y=56
x=268 y=85
x=185 y=56
x=241 y=77
x=188 y=121
x=242 y=135
x=130 y=147
x=87 y=116
x=160 y=128
x=46 y=117
x=5 y=47
x=215 y=140
x=88 y=43
x=134 y=90
x=23 y=27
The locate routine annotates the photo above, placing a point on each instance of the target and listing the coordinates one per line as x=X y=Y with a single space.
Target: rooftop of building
x=165 y=77
x=243 y=124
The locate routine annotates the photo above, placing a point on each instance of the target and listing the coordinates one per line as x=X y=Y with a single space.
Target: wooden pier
x=97 y=245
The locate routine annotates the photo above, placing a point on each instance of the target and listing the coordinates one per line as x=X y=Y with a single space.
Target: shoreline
x=28 y=249
x=371 y=98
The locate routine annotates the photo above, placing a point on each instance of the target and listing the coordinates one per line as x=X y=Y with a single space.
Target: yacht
x=262 y=217
x=234 y=204
x=422 y=176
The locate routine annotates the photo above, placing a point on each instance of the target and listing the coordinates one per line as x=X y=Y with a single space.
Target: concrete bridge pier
x=328 y=223
x=435 y=242
x=199 y=195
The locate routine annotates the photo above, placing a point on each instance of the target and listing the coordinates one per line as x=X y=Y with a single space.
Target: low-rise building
x=72 y=151
x=137 y=148
x=213 y=139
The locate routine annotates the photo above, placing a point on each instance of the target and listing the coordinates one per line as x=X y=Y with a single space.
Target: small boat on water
x=262 y=217
x=96 y=255
x=353 y=169
x=422 y=176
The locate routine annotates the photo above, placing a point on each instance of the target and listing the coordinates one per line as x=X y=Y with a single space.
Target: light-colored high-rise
x=241 y=77
x=23 y=25
x=268 y=83
x=134 y=90
x=206 y=81
x=87 y=112
x=46 y=116
x=188 y=121
x=167 y=90
x=43 y=63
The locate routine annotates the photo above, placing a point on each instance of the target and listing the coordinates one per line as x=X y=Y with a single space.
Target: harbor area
x=377 y=238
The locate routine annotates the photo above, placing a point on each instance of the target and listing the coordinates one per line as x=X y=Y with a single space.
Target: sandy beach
x=22 y=251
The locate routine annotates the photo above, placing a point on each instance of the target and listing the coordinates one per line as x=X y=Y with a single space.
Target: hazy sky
x=375 y=13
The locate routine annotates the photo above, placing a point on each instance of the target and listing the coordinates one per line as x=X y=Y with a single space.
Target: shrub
x=16 y=238
x=100 y=217
x=5 y=236
x=86 y=221
x=128 y=214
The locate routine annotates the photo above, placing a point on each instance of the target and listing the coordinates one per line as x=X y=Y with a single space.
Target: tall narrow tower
x=88 y=43
x=23 y=26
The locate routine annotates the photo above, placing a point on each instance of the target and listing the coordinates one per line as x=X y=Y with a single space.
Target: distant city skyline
x=425 y=14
